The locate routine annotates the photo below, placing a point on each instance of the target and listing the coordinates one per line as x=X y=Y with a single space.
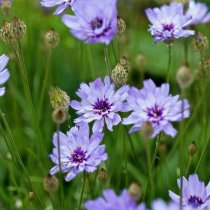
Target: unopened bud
x=50 y=183
x=31 y=196
x=59 y=115
x=121 y=25
x=184 y=76
x=140 y=61
x=6 y=6
x=59 y=98
x=200 y=42
x=205 y=66
x=135 y=191
x=52 y=38
x=162 y=149
x=146 y=130
x=120 y=72
x=192 y=148
x=102 y=175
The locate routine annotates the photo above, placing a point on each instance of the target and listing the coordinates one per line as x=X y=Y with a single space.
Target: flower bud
x=200 y=42
x=192 y=148
x=140 y=61
x=121 y=26
x=50 y=183
x=146 y=130
x=59 y=115
x=162 y=149
x=135 y=191
x=59 y=98
x=52 y=38
x=102 y=174
x=184 y=76
x=120 y=72
x=31 y=196
x=6 y=6
x=205 y=66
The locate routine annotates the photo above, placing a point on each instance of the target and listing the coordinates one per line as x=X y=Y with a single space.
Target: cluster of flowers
x=169 y=22
x=195 y=195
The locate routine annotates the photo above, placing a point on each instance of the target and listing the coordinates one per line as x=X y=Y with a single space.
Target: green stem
x=107 y=60
x=169 y=62
x=125 y=158
x=60 y=169
x=114 y=51
x=188 y=165
x=91 y=62
x=82 y=191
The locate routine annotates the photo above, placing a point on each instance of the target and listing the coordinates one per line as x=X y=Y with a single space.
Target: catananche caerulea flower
x=161 y=205
x=78 y=151
x=93 y=21
x=4 y=73
x=62 y=5
x=100 y=102
x=195 y=193
x=110 y=201
x=168 y=22
x=198 y=12
x=155 y=105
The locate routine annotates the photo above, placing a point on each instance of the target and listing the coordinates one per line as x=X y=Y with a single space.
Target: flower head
x=195 y=193
x=78 y=151
x=100 y=103
x=62 y=5
x=93 y=21
x=198 y=12
x=168 y=22
x=4 y=73
x=110 y=201
x=155 y=105
x=160 y=204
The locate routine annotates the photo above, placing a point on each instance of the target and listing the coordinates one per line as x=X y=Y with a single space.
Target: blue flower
x=155 y=105
x=78 y=151
x=168 y=22
x=100 y=103
x=159 y=204
x=93 y=21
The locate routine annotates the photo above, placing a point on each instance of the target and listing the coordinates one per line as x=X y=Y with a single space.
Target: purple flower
x=161 y=205
x=195 y=193
x=155 y=105
x=78 y=151
x=198 y=12
x=110 y=201
x=100 y=103
x=93 y=21
x=62 y=5
x=4 y=73
x=168 y=21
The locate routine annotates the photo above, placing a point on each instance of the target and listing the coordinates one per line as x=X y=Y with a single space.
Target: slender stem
x=202 y=155
x=90 y=57
x=82 y=191
x=188 y=165
x=44 y=85
x=169 y=62
x=60 y=169
x=107 y=60
x=17 y=156
x=52 y=198
x=125 y=158
x=186 y=51
x=153 y=161
x=114 y=51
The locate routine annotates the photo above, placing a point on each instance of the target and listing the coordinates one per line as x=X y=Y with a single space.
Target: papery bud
x=19 y=28
x=52 y=38
x=206 y=66
x=184 y=76
x=146 y=130
x=50 y=183
x=59 y=115
x=200 y=42
x=102 y=174
x=6 y=32
x=31 y=196
x=6 y=6
x=135 y=191
x=59 y=98
x=121 y=25
x=192 y=148
x=120 y=72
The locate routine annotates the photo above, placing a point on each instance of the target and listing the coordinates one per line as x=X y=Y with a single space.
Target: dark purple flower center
x=195 y=201
x=102 y=106
x=168 y=27
x=78 y=156
x=155 y=114
x=96 y=23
